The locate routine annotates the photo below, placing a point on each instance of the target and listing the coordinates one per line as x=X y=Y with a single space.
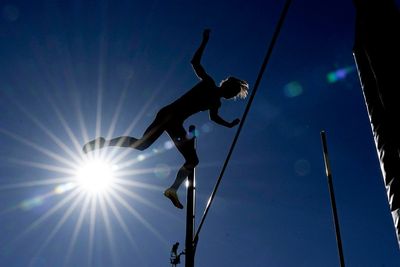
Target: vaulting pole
x=333 y=201
x=246 y=111
x=190 y=211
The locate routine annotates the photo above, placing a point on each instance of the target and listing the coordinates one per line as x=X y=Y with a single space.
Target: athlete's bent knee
x=191 y=164
x=142 y=146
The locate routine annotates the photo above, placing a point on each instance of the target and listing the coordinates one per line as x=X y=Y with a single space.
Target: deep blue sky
x=60 y=59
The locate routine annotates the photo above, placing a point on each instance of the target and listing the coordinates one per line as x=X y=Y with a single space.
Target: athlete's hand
x=234 y=123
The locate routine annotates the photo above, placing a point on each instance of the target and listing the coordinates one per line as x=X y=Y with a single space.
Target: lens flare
x=293 y=89
x=339 y=74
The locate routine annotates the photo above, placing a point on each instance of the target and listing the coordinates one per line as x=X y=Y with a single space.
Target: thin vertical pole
x=190 y=210
x=332 y=195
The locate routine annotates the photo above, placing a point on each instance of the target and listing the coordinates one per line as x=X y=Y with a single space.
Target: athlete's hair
x=239 y=88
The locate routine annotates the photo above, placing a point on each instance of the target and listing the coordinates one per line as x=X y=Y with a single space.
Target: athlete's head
x=233 y=87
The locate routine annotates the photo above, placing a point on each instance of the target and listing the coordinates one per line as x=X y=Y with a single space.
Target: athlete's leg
x=122 y=141
x=152 y=133
x=94 y=144
x=186 y=147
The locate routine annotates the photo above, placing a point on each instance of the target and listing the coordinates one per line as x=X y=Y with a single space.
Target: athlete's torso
x=203 y=96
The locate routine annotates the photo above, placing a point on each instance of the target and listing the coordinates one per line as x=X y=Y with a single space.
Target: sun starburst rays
x=77 y=229
x=68 y=200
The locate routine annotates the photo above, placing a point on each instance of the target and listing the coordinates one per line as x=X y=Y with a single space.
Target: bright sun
x=96 y=176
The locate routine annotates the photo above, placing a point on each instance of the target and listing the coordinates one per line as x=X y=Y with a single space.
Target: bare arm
x=198 y=68
x=214 y=116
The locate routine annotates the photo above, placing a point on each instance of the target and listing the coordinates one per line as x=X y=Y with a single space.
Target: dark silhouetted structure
x=175 y=257
x=205 y=95
x=377 y=55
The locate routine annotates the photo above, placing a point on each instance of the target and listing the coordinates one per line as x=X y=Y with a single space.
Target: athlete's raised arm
x=198 y=68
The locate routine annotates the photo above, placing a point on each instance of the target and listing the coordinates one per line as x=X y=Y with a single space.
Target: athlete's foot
x=173 y=196
x=94 y=144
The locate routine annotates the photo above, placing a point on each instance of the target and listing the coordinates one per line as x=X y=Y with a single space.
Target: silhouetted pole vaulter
x=204 y=96
x=377 y=55
x=190 y=210
x=332 y=196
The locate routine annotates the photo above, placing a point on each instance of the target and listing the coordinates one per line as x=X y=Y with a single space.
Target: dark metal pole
x=190 y=211
x=332 y=195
